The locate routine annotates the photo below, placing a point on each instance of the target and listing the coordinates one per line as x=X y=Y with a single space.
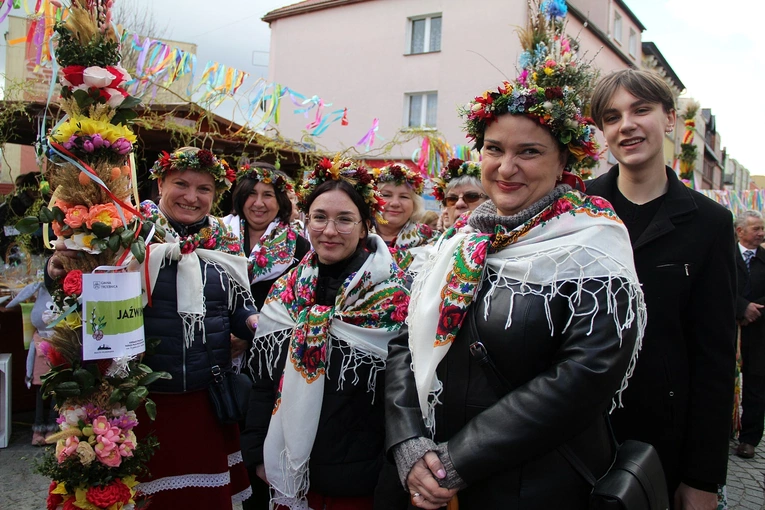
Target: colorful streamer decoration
x=368 y=140
x=432 y=155
x=738 y=201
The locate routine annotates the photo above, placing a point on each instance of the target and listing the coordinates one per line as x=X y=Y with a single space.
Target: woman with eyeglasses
x=401 y=188
x=316 y=412
x=459 y=189
x=524 y=326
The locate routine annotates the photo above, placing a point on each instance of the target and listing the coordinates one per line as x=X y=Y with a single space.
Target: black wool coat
x=680 y=398
x=751 y=288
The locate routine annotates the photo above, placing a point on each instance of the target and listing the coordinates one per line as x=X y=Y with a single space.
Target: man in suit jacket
x=750 y=229
x=680 y=397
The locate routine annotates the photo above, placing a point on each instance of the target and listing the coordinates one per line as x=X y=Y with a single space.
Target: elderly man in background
x=750 y=263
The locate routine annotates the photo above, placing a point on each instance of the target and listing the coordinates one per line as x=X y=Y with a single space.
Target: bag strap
x=214 y=367
x=502 y=387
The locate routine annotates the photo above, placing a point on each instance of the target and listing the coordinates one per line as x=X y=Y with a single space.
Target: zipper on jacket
x=686 y=270
x=686 y=267
x=184 y=366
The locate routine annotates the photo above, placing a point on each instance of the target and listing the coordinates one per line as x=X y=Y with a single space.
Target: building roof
x=629 y=13
x=650 y=48
x=304 y=7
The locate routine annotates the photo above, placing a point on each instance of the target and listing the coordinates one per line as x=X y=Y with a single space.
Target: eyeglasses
x=318 y=222
x=470 y=197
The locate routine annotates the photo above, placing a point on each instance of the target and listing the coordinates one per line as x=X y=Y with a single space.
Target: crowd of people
x=395 y=365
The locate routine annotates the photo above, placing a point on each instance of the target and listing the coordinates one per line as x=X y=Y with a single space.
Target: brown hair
x=644 y=85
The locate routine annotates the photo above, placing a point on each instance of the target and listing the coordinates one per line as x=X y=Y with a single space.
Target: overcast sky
x=716 y=51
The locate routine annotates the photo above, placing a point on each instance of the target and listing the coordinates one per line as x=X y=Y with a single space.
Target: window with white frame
x=633 y=43
x=618 y=27
x=424 y=34
x=422 y=109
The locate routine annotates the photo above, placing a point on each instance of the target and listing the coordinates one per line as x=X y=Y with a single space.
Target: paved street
x=21 y=489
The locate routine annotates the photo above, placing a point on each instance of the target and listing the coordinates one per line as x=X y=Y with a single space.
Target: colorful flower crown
x=353 y=173
x=190 y=158
x=554 y=107
x=400 y=174
x=266 y=176
x=453 y=169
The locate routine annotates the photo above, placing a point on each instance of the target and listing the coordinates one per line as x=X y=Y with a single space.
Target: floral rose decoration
x=73 y=283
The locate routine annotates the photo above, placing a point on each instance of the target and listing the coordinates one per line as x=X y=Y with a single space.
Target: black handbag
x=229 y=392
x=635 y=480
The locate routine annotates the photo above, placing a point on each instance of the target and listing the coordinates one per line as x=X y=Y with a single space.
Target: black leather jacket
x=505 y=448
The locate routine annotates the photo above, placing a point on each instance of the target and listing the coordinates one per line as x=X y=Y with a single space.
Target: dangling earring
x=670 y=129
x=560 y=178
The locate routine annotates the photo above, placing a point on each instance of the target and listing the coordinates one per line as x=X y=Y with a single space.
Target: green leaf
x=150 y=378
x=123 y=116
x=130 y=102
x=28 y=225
x=114 y=242
x=116 y=396
x=58 y=214
x=84 y=378
x=83 y=99
x=126 y=237
x=46 y=215
x=133 y=401
x=151 y=409
x=67 y=389
x=146 y=369
x=142 y=392
x=102 y=230
x=138 y=249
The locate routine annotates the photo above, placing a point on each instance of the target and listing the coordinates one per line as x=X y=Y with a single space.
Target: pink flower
x=291 y=235
x=261 y=261
x=209 y=243
x=110 y=458
x=65 y=448
x=121 y=76
x=101 y=425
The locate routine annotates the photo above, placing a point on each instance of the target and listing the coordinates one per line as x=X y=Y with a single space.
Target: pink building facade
x=413 y=63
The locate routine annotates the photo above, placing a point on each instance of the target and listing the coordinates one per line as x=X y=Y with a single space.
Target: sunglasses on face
x=470 y=197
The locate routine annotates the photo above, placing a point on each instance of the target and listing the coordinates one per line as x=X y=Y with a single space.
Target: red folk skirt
x=199 y=462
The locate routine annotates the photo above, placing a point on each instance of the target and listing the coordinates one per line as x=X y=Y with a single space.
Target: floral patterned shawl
x=272 y=254
x=213 y=245
x=368 y=312
x=576 y=239
x=408 y=250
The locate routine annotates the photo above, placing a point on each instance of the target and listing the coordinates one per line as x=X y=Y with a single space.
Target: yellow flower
x=548 y=71
x=73 y=320
x=60 y=489
x=79 y=126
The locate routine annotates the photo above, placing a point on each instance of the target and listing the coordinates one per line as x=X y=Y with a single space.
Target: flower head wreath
x=191 y=158
x=400 y=174
x=265 y=175
x=453 y=169
x=551 y=89
x=353 y=173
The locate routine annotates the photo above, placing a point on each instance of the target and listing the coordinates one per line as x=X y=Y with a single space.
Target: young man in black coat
x=680 y=397
x=750 y=262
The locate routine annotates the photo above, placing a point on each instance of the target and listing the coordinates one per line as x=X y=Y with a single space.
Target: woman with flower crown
x=315 y=424
x=458 y=187
x=401 y=188
x=262 y=221
x=200 y=296
x=537 y=328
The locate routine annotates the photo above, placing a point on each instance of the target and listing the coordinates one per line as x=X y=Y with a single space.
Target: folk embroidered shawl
x=272 y=254
x=577 y=239
x=409 y=249
x=213 y=245
x=368 y=312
